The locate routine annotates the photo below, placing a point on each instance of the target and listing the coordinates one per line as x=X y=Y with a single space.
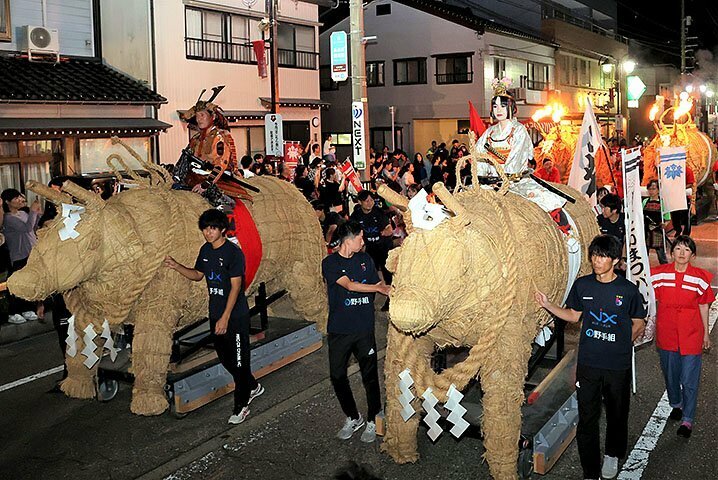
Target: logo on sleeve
x=619 y=300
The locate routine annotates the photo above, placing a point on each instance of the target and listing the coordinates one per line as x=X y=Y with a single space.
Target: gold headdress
x=501 y=87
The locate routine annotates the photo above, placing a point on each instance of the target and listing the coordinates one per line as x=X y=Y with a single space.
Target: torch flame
x=555 y=110
x=683 y=108
x=654 y=111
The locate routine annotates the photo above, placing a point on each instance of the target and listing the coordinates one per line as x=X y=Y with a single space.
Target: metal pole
x=393 y=135
x=683 y=37
x=271 y=7
x=358 y=68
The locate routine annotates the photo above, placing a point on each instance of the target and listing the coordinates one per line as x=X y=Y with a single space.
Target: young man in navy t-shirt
x=221 y=263
x=612 y=314
x=352 y=281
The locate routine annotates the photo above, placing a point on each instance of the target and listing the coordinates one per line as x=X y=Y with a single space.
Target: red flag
x=259 y=53
x=475 y=123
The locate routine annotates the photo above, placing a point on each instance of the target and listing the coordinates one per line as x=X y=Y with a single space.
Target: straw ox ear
x=449 y=200
x=91 y=200
x=58 y=198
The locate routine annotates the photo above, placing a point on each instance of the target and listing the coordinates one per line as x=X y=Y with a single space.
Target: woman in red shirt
x=683 y=295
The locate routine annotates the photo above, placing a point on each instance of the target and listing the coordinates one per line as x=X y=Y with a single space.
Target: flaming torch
x=684 y=108
x=652 y=116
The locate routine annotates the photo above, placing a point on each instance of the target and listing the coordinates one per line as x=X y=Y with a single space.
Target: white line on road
x=637 y=460
x=30 y=378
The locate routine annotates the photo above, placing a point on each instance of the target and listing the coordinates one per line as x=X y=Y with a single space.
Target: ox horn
x=396 y=199
x=90 y=199
x=448 y=199
x=58 y=198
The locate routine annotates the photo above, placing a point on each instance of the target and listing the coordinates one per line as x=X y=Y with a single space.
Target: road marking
x=637 y=460
x=31 y=378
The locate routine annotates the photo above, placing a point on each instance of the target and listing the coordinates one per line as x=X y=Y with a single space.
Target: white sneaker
x=16 y=319
x=29 y=315
x=255 y=393
x=238 y=418
x=610 y=467
x=350 y=426
x=369 y=433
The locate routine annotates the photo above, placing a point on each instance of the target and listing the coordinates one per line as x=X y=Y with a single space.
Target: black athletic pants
x=612 y=388
x=234 y=351
x=363 y=347
x=681 y=221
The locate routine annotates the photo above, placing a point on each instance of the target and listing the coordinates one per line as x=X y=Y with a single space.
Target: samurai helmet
x=215 y=110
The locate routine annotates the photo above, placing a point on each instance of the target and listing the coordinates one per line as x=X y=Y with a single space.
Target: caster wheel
x=107 y=389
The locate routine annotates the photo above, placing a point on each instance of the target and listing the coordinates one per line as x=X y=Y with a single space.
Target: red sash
x=243 y=228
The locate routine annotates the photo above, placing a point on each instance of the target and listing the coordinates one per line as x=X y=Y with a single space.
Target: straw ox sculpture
x=469 y=282
x=114 y=269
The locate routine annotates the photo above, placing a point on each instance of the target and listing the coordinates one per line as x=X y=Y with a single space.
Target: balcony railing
x=297 y=59
x=558 y=12
x=524 y=82
x=218 y=51
x=447 y=78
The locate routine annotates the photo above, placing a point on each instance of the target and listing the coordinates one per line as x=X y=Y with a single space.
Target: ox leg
x=400 y=440
x=308 y=293
x=151 y=348
x=502 y=379
x=80 y=381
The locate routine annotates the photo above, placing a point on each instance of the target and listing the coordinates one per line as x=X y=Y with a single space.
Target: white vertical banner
x=638 y=268
x=358 y=140
x=672 y=177
x=583 y=170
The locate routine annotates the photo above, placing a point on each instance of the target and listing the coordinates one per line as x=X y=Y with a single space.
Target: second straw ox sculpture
x=469 y=282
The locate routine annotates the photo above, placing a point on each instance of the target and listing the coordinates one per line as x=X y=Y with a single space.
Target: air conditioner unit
x=42 y=41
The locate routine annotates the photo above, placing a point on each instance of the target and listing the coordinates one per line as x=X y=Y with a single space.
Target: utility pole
x=683 y=37
x=271 y=8
x=358 y=68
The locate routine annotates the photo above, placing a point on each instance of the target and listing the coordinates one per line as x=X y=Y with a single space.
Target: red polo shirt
x=552 y=175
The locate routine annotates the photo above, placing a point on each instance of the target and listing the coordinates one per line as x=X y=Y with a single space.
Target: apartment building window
x=384 y=9
x=410 y=71
x=375 y=74
x=499 y=67
x=325 y=79
x=219 y=36
x=296 y=46
x=454 y=68
x=584 y=72
x=537 y=76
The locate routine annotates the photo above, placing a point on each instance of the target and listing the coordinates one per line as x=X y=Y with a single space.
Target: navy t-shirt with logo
x=372 y=223
x=606 y=325
x=349 y=312
x=219 y=266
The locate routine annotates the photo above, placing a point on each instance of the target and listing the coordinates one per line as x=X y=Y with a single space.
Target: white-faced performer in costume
x=510 y=139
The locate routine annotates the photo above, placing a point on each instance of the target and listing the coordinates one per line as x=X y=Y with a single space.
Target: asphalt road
x=290 y=432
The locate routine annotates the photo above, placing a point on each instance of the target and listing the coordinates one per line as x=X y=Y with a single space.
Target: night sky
x=657 y=29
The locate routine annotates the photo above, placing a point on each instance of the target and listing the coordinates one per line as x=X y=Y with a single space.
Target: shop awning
x=296 y=102
x=12 y=128
x=233 y=116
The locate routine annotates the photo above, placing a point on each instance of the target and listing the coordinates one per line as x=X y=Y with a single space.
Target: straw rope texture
x=470 y=283
x=701 y=153
x=114 y=269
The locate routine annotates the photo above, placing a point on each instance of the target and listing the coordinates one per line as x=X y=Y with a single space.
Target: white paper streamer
x=425 y=215
x=71 y=216
x=543 y=336
x=72 y=337
x=406 y=395
x=432 y=415
x=457 y=411
x=90 y=347
x=109 y=343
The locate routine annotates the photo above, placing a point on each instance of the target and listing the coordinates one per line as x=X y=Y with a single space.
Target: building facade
x=59 y=103
x=184 y=47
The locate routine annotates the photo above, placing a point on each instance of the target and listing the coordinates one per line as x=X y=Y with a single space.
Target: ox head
x=57 y=265
x=439 y=274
